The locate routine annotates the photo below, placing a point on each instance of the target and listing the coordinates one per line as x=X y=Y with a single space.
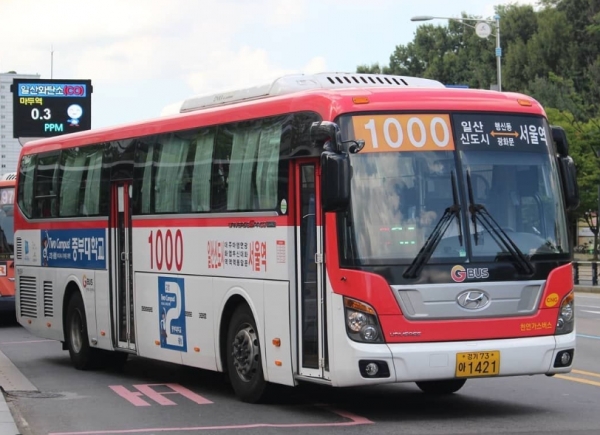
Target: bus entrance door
x=121 y=262
x=311 y=309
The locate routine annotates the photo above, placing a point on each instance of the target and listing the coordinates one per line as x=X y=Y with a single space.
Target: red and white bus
x=7 y=270
x=345 y=229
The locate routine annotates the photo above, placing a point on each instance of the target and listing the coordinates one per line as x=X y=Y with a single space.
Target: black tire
x=83 y=357
x=448 y=386
x=244 y=363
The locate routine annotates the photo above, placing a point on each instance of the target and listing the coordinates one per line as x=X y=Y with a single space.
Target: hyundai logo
x=473 y=299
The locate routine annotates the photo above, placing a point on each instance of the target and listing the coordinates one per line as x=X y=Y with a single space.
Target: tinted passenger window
x=173 y=172
x=234 y=167
x=46 y=187
x=27 y=169
x=246 y=166
x=172 y=189
x=82 y=182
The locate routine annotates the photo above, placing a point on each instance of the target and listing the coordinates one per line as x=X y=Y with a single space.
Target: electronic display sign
x=45 y=108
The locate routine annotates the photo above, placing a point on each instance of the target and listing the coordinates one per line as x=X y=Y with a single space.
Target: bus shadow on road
x=381 y=403
x=8 y=319
x=404 y=402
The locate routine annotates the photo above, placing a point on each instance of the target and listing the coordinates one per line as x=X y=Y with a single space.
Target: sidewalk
x=7 y=423
x=11 y=379
x=587 y=288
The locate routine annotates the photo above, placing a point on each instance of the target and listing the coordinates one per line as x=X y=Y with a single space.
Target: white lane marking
x=589 y=311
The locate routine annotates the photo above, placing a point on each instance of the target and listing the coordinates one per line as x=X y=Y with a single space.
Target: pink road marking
x=178 y=389
x=355 y=420
x=131 y=396
x=147 y=390
x=157 y=397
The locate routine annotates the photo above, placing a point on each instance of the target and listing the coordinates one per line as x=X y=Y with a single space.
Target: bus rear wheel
x=244 y=364
x=82 y=355
x=447 y=386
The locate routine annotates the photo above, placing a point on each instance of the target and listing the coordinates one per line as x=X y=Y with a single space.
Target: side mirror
x=327 y=135
x=560 y=139
x=335 y=181
x=568 y=175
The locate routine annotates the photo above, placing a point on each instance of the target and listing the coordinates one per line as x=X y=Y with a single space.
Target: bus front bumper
x=410 y=362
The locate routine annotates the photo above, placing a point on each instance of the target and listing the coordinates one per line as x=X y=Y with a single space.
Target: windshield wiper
x=472 y=209
x=480 y=213
x=436 y=235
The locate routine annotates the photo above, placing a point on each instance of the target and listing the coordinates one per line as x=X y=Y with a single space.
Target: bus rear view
x=7 y=270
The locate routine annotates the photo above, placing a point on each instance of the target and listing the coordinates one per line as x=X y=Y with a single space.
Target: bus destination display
x=45 y=108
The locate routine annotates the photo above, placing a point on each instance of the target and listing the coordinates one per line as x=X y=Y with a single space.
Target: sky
x=144 y=55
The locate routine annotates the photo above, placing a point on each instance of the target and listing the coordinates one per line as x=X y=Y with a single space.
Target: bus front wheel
x=448 y=386
x=82 y=355
x=244 y=364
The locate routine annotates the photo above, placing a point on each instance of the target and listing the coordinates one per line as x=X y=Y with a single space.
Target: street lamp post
x=483 y=30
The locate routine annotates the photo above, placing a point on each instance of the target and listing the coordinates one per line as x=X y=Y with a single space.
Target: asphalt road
x=148 y=397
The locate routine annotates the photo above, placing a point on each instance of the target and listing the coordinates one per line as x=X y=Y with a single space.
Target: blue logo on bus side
x=171 y=308
x=82 y=249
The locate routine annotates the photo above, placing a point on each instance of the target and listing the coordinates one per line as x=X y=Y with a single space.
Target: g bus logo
x=74 y=90
x=459 y=273
x=88 y=283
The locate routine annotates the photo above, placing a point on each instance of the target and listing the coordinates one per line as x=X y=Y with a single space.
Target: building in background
x=9 y=146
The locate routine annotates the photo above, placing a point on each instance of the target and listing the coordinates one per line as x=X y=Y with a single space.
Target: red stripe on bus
x=177 y=222
x=233 y=222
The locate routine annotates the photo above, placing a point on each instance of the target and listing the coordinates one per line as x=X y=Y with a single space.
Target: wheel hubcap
x=245 y=352
x=76 y=331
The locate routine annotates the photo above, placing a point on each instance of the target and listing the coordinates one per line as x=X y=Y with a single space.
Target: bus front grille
x=28 y=296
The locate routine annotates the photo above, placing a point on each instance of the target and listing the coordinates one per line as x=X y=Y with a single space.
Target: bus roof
x=328 y=101
x=295 y=83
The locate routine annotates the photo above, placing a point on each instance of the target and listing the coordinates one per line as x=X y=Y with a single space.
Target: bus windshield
x=7 y=195
x=491 y=198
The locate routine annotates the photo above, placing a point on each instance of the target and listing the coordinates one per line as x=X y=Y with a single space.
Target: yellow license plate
x=471 y=364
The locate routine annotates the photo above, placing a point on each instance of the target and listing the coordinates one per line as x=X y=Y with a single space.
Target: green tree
x=551 y=52
x=583 y=139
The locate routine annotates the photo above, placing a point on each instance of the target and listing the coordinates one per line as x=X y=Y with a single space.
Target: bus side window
x=26 y=192
x=46 y=184
x=168 y=181
x=73 y=167
x=91 y=187
x=42 y=209
x=220 y=170
x=202 y=170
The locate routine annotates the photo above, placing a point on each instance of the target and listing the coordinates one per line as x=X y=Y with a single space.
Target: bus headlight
x=361 y=322
x=356 y=320
x=566 y=315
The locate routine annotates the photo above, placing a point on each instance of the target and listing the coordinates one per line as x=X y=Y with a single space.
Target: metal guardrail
x=585 y=273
